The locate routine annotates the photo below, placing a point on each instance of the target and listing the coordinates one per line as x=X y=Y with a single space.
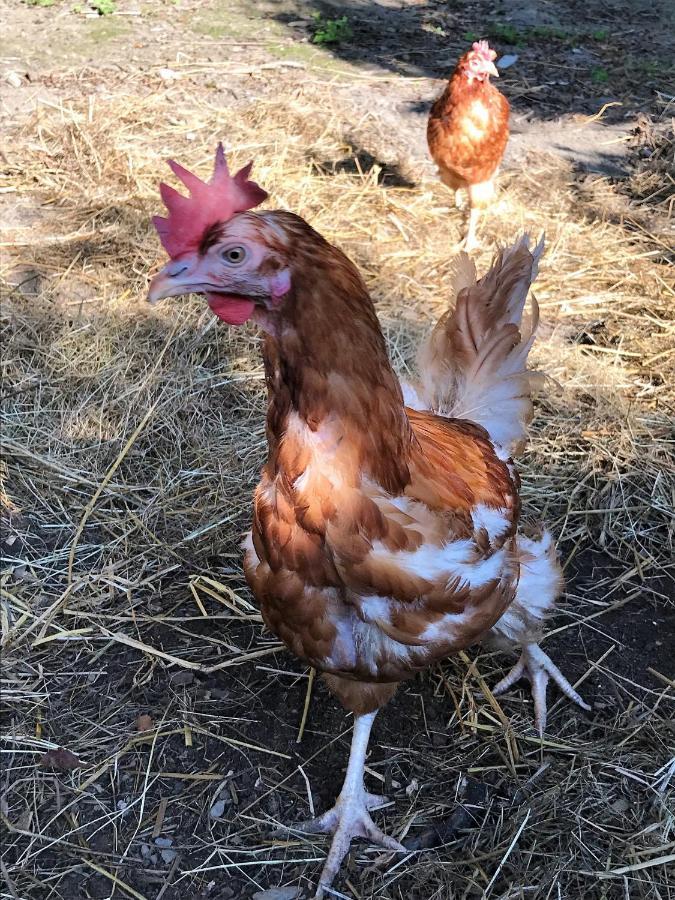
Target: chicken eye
x=234 y=255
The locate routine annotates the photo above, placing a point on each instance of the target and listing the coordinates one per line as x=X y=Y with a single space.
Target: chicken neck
x=326 y=366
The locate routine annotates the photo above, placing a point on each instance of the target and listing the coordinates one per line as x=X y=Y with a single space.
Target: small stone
x=508 y=60
x=14 y=79
x=145 y=851
x=163 y=842
x=168 y=75
x=168 y=855
x=621 y=805
x=217 y=809
x=278 y=893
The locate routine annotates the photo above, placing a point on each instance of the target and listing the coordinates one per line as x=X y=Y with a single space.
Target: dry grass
x=132 y=439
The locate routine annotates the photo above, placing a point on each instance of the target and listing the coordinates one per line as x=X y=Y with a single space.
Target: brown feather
x=467 y=131
x=361 y=502
x=358 y=697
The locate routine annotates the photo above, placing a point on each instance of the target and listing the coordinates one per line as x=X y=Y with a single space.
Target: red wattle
x=233 y=310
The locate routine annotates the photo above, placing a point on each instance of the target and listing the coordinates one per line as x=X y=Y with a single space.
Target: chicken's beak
x=180 y=276
x=491 y=69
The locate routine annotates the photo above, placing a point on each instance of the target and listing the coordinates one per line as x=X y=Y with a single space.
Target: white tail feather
x=474 y=364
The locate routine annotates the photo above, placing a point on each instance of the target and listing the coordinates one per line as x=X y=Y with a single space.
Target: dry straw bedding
x=132 y=440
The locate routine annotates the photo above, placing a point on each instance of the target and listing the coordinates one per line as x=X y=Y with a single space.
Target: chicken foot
x=471 y=241
x=538 y=668
x=350 y=816
x=480 y=197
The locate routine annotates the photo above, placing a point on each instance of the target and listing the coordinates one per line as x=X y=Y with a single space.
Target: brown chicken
x=467 y=132
x=384 y=537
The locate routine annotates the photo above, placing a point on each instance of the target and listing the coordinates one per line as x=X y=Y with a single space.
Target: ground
x=154 y=735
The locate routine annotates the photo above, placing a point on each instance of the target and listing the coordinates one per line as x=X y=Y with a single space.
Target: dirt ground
x=131 y=442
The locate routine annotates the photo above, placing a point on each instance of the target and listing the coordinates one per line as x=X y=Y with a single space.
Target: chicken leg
x=350 y=816
x=480 y=197
x=538 y=667
x=471 y=241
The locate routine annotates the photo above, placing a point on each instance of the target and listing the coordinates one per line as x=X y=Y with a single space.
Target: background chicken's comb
x=482 y=48
x=216 y=200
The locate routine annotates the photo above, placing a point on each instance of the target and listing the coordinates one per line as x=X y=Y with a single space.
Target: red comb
x=216 y=200
x=482 y=48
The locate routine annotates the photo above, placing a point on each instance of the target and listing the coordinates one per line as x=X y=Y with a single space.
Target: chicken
x=467 y=132
x=384 y=537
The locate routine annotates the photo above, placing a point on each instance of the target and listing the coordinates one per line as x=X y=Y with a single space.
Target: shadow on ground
x=573 y=56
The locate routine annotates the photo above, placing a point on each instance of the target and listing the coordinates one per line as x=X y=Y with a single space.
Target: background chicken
x=467 y=131
x=384 y=538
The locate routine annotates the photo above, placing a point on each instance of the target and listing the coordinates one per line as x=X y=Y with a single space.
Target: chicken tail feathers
x=474 y=364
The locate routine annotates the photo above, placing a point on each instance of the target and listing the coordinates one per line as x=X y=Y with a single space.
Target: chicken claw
x=329 y=822
x=349 y=818
x=538 y=667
